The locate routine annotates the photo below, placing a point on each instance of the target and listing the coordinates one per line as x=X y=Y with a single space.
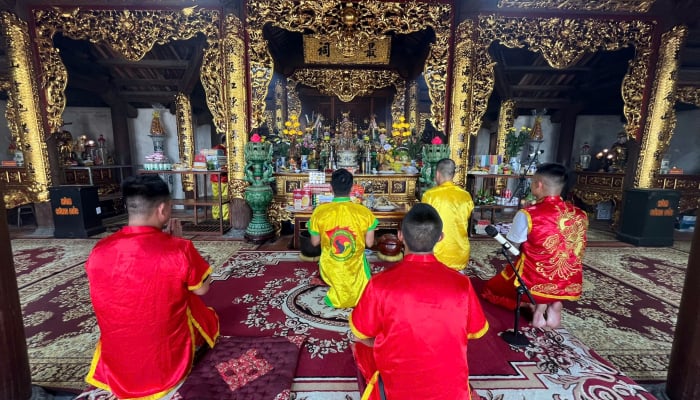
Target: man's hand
x=367 y=342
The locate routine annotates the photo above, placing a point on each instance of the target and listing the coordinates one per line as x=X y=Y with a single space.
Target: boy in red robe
x=552 y=238
x=145 y=286
x=414 y=319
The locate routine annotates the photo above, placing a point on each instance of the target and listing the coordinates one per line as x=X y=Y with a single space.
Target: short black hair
x=341 y=182
x=554 y=174
x=421 y=228
x=142 y=193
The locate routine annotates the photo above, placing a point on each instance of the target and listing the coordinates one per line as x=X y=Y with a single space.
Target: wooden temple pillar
x=683 y=380
x=15 y=377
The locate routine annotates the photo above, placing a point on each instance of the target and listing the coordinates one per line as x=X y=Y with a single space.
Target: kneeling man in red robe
x=552 y=238
x=145 y=286
x=414 y=319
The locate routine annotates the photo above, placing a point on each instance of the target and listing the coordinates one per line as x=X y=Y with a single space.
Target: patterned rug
x=59 y=322
x=629 y=305
x=629 y=295
x=270 y=293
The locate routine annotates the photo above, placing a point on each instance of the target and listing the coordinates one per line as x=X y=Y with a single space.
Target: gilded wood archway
x=325 y=18
x=561 y=41
x=132 y=33
x=31 y=183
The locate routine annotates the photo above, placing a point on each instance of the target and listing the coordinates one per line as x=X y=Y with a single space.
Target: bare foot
x=554 y=314
x=538 y=320
x=316 y=281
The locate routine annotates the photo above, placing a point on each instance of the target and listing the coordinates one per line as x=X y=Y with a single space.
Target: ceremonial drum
x=390 y=247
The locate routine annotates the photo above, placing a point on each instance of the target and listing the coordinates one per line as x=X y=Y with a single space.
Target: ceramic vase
x=258 y=174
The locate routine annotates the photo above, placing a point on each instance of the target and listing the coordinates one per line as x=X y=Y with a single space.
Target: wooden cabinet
x=107 y=179
x=495 y=187
x=195 y=212
x=592 y=188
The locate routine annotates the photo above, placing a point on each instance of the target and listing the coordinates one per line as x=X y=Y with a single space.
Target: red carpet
x=270 y=294
x=627 y=315
x=259 y=300
x=628 y=309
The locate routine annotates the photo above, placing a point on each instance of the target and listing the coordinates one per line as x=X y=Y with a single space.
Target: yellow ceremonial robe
x=455 y=207
x=342 y=226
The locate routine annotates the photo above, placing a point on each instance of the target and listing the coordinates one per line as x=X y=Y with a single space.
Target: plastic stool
x=27 y=209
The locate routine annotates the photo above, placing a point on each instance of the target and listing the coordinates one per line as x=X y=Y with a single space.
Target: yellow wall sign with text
x=318 y=50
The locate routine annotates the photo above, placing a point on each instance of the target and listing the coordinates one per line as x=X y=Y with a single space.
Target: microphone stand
x=517 y=338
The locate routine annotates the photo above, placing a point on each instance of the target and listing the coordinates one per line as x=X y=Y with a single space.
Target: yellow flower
x=288 y=124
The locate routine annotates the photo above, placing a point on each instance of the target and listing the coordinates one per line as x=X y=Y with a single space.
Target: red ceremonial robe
x=550 y=262
x=141 y=283
x=421 y=314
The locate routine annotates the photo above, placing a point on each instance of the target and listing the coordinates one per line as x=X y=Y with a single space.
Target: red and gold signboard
x=320 y=50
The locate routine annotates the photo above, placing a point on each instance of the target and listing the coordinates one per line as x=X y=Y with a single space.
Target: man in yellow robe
x=220 y=190
x=455 y=207
x=343 y=229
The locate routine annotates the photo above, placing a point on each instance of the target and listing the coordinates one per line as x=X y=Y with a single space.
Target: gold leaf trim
x=185 y=137
x=462 y=95
x=661 y=118
x=236 y=94
x=562 y=42
x=506 y=118
x=32 y=182
x=132 y=33
x=326 y=18
x=346 y=84
x=637 y=6
x=688 y=94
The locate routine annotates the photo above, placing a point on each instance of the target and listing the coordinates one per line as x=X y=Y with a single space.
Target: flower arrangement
x=401 y=131
x=291 y=127
x=515 y=141
x=307 y=145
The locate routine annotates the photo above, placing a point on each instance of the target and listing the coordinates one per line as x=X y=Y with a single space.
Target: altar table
x=387 y=220
x=398 y=188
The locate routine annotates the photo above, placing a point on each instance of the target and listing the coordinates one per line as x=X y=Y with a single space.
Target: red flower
x=255 y=138
x=436 y=140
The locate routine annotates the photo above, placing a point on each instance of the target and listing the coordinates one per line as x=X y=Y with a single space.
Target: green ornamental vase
x=258 y=173
x=432 y=153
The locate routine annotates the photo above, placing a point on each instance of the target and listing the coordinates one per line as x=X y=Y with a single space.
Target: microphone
x=493 y=232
